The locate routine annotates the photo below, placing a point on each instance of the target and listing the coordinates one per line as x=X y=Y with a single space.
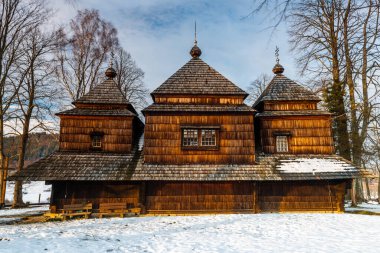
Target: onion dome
x=110 y=73
x=195 y=52
x=278 y=69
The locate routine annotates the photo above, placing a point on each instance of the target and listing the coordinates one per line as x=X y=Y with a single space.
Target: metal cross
x=277 y=55
x=111 y=60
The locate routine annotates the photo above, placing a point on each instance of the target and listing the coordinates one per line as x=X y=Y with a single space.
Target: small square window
x=190 y=138
x=208 y=137
x=96 y=141
x=282 y=144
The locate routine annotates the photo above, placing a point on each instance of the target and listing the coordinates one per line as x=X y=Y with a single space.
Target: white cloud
x=159 y=35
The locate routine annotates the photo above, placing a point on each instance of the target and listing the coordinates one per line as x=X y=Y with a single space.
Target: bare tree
x=18 y=17
x=315 y=35
x=257 y=87
x=36 y=95
x=338 y=39
x=130 y=79
x=82 y=51
x=372 y=153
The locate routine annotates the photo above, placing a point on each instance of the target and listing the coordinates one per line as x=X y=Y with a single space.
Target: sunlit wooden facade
x=203 y=151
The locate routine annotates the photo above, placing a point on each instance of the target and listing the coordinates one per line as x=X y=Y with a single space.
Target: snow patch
x=23 y=211
x=31 y=192
x=314 y=165
x=370 y=207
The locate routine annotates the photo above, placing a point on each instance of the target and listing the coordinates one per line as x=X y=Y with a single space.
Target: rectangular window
x=200 y=137
x=282 y=144
x=208 y=137
x=96 y=141
x=190 y=138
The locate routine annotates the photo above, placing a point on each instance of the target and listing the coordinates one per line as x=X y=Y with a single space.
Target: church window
x=282 y=144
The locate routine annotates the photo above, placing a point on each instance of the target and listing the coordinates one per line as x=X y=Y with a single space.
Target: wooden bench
x=83 y=210
x=119 y=209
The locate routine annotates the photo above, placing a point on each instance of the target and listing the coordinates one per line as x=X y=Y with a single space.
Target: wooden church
x=202 y=149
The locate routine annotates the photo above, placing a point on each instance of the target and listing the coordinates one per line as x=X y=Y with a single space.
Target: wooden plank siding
x=75 y=133
x=78 y=192
x=308 y=135
x=192 y=197
x=288 y=196
x=178 y=99
x=162 y=139
x=290 y=106
x=160 y=197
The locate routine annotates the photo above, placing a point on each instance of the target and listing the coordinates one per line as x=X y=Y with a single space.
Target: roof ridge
x=106 y=92
x=282 y=88
x=198 y=77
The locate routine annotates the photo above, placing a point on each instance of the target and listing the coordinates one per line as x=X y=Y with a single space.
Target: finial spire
x=195 y=33
x=277 y=55
x=195 y=52
x=278 y=68
x=111 y=72
x=111 y=59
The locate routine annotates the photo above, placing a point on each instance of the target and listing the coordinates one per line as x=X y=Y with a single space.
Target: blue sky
x=160 y=34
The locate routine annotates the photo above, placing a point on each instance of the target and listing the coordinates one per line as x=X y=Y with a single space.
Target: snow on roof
x=314 y=165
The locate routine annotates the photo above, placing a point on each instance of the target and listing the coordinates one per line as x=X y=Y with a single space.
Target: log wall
x=192 y=197
x=78 y=192
x=162 y=139
x=207 y=197
x=308 y=135
x=327 y=196
x=75 y=133
x=290 y=106
x=198 y=100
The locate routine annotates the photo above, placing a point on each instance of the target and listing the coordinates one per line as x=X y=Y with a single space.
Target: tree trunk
x=337 y=95
x=17 y=194
x=353 y=194
x=2 y=155
x=359 y=190
x=378 y=188
x=356 y=143
x=367 y=189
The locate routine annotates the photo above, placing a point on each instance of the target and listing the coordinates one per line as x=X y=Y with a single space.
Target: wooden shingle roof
x=97 y=166
x=282 y=88
x=197 y=78
x=106 y=92
x=97 y=112
x=89 y=166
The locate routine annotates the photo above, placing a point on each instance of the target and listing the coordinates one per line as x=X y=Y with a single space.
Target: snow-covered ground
x=23 y=211
x=9 y=215
x=31 y=192
x=372 y=206
x=208 y=233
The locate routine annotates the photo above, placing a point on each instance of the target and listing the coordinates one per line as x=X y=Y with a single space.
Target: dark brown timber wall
x=94 y=192
x=302 y=196
x=207 y=197
x=192 y=197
